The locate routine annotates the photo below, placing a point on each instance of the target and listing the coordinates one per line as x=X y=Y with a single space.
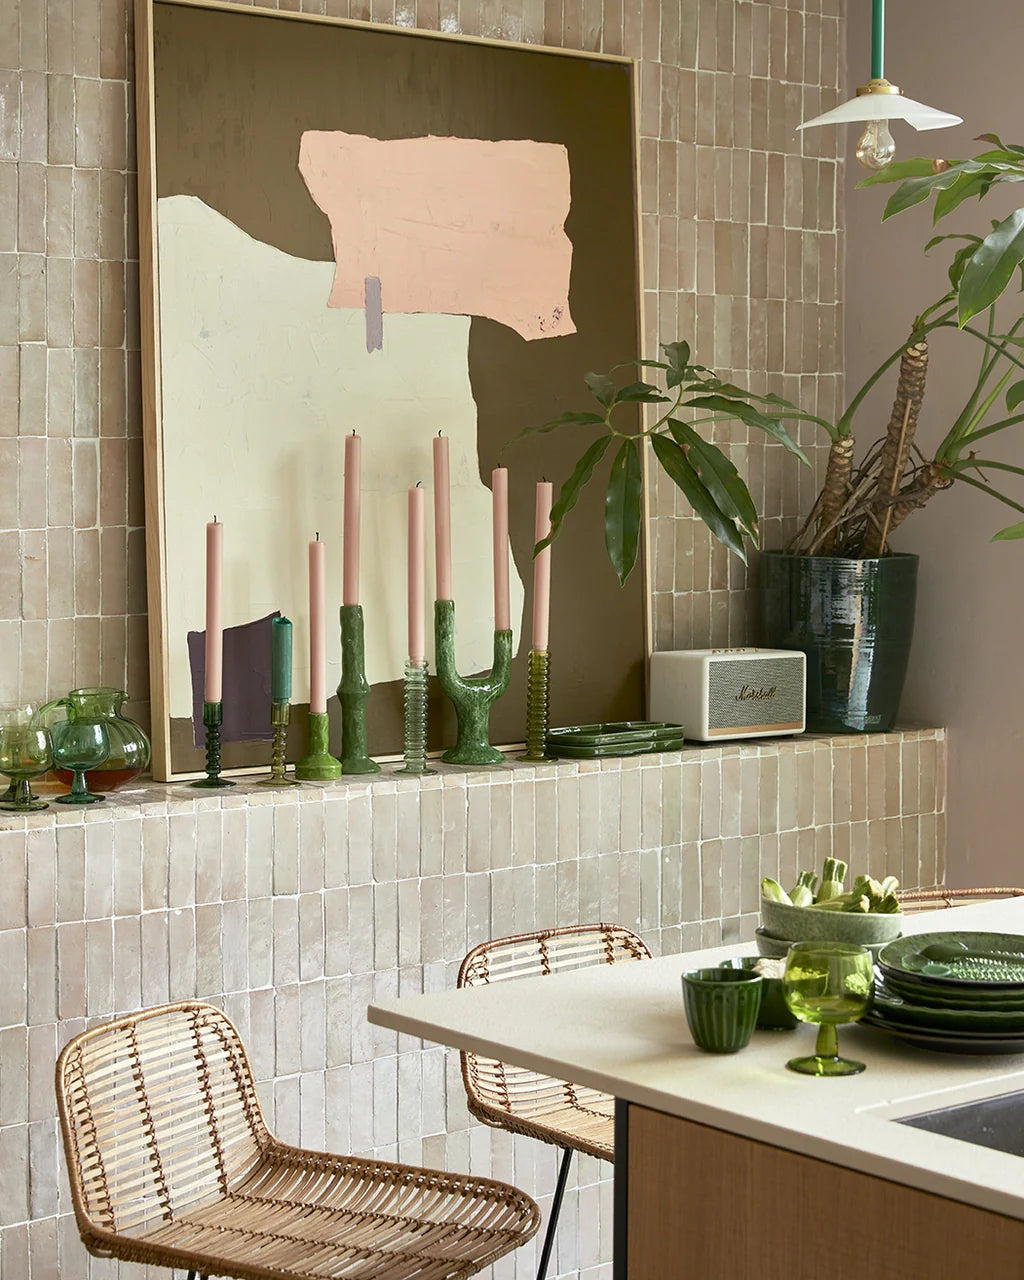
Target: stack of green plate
x=955 y=992
x=618 y=738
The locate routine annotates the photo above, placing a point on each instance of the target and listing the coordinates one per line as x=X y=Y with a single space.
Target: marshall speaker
x=729 y=693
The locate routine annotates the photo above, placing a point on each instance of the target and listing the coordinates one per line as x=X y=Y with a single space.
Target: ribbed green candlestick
x=471 y=696
x=415 y=719
x=353 y=692
x=213 y=716
x=280 y=714
x=537 y=707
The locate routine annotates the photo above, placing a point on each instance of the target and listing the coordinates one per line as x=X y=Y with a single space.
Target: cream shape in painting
x=261 y=383
x=455 y=226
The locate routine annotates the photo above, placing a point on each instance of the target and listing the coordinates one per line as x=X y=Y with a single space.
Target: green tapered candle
x=281 y=660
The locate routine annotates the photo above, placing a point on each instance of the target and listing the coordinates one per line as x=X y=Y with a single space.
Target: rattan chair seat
x=171 y=1164
x=937 y=899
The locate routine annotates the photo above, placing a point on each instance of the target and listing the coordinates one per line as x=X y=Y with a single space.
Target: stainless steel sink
x=996 y=1122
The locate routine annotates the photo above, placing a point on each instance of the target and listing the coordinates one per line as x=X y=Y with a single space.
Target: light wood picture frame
x=224 y=95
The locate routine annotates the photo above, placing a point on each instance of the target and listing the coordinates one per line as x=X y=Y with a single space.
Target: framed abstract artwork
x=349 y=227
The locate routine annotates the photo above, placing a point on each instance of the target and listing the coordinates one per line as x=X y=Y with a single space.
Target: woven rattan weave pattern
x=524 y=1101
x=937 y=899
x=171 y=1164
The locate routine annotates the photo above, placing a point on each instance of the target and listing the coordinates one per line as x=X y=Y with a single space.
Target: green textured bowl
x=721 y=1007
x=811 y=924
x=774 y=1014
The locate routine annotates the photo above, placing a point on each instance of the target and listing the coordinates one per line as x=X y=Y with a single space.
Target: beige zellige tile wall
x=740 y=246
x=296 y=909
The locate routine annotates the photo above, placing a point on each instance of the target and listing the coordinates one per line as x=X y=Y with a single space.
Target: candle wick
x=439 y=433
x=318 y=535
x=419 y=484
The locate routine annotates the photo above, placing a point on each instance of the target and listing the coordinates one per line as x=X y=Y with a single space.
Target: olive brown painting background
x=234 y=91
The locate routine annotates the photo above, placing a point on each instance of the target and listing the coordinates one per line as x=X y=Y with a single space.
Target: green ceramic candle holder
x=213 y=716
x=280 y=714
x=415 y=719
x=471 y=696
x=353 y=691
x=318 y=765
x=537 y=707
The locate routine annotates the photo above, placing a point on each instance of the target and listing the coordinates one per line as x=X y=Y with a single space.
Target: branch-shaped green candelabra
x=472 y=696
x=353 y=692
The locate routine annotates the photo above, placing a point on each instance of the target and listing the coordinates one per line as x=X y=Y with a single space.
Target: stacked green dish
x=955 y=992
x=617 y=738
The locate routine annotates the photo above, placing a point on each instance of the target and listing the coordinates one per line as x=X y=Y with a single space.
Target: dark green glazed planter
x=854 y=619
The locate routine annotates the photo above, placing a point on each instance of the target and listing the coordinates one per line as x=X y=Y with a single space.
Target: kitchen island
x=729 y=1167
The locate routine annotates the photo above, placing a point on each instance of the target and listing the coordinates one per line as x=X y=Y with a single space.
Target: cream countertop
x=622 y=1029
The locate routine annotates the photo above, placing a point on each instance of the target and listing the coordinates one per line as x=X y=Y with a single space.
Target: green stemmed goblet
x=25 y=753
x=79 y=745
x=827 y=983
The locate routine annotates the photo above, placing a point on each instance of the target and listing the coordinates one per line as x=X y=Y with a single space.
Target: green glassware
x=16 y=714
x=538 y=701
x=280 y=715
x=415 y=719
x=471 y=696
x=129 y=746
x=25 y=752
x=79 y=745
x=827 y=983
x=213 y=716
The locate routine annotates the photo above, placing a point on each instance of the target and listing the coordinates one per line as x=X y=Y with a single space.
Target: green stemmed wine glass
x=79 y=745
x=827 y=983
x=25 y=753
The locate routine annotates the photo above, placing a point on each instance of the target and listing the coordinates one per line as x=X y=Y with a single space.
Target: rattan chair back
x=159 y=1112
x=937 y=899
x=529 y=1102
x=171 y=1164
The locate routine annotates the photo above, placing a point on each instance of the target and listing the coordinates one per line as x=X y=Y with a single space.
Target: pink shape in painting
x=448 y=225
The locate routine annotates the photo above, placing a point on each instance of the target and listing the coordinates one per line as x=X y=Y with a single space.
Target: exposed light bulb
x=875 y=148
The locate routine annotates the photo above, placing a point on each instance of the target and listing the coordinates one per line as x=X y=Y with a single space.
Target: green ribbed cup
x=721 y=1007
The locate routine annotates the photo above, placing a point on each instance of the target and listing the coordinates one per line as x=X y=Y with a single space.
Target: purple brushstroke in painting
x=246 y=681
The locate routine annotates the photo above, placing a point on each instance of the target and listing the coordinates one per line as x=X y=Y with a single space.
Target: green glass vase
x=129 y=747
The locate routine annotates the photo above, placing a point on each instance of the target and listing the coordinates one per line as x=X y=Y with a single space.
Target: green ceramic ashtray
x=616 y=738
x=774 y=1014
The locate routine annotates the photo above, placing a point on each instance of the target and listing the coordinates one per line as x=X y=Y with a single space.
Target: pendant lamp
x=878 y=102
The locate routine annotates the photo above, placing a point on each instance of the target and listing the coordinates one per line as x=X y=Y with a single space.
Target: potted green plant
x=838 y=591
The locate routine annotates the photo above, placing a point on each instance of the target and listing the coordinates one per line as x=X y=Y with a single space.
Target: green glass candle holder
x=318 y=765
x=353 y=692
x=471 y=696
x=538 y=707
x=213 y=716
x=280 y=715
x=415 y=719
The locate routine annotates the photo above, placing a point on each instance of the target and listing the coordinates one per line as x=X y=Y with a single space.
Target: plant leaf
x=678 y=354
x=601 y=386
x=900 y=170
x=992 y=266
x=677 y=467
x=1010 y=534
x=623 y=509
x=639 y=391
x=748 y=414
x=916 y=190
x=563 y=420
x=573 y=487
x=1014 y=396
x=722 y=480
x=966 y=185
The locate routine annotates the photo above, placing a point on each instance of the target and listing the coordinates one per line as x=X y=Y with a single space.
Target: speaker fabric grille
x=755 y=693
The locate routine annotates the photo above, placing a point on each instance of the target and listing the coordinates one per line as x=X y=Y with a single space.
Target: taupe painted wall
x=965 y=668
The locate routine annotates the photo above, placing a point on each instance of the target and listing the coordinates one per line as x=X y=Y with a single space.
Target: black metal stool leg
x=556 y=1206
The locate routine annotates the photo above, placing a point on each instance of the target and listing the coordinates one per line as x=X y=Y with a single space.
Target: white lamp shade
x=885 y=106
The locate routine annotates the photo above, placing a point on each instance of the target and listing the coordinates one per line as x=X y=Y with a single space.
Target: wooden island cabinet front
x=697 y=1203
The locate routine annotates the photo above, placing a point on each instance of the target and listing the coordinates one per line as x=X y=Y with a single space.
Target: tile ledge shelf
x=179 y=797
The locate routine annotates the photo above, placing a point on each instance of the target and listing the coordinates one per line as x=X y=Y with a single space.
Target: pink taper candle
x=442 y=519
x=417 y=644
x=499 y=520
x=214 y=688
x=542 y=568
x=317 y=628
x=353 y=466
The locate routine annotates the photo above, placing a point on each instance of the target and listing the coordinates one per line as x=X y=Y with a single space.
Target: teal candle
x=281 y=660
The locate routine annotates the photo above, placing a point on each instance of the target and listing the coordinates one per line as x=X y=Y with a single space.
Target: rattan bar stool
x=569 y=1116
x=171 y=1164
x=936 y=899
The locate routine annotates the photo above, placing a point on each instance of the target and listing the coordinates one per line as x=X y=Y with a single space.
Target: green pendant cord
x=877 y=39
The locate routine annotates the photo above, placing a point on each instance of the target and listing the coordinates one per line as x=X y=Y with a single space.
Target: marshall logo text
x=746 y=694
